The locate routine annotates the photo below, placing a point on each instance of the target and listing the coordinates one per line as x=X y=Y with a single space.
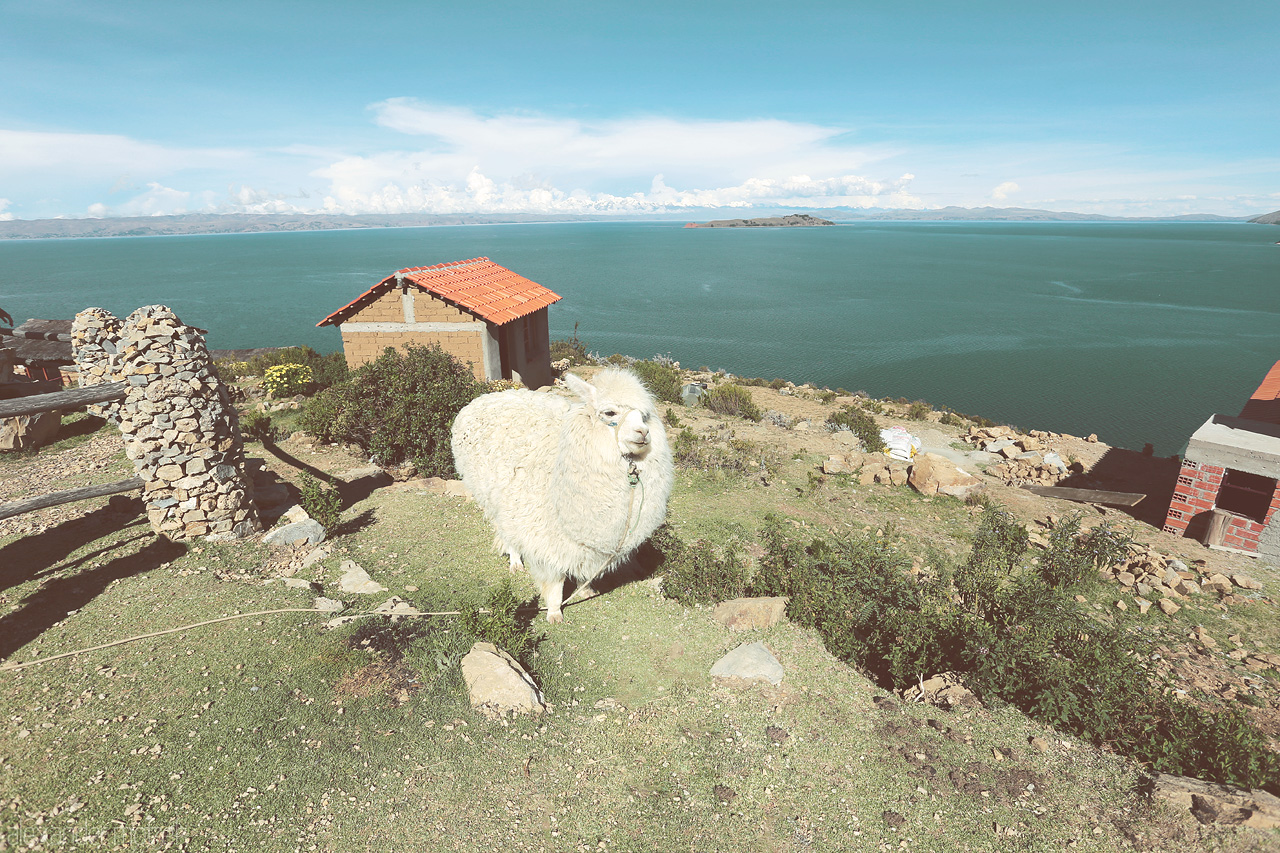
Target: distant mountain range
x=240 y=223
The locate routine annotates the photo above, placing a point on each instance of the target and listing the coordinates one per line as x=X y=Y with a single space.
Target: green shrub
x=730 y=399
x=734 y=456
x=397 y=408
x=321 y=501
x=671 y=419
x=699 y=573
x=286 y=380
x=326 y=370
x=861 y=424
x=952 y=419
x=857 y=594
x=826 y=397
x=1015 y=637
x=258 y=426
x=919 y=411
x=662 y=381
x=506 y=622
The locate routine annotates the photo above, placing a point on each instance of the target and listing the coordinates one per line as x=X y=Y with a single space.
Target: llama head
x=620 y=403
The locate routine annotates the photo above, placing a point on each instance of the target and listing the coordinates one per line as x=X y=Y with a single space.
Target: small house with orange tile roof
x=483 y=314
x=1227 y=492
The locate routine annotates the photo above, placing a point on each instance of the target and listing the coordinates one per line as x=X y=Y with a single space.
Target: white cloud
x=431 y=158
x=97 y=154
x=518 y=162
x=5 y=217
x=1004 y=190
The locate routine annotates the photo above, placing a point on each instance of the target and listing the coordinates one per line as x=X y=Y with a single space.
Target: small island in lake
x=794 y=220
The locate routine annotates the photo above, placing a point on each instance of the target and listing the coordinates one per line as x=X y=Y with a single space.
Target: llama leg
x=552 y=595
x=583 y=592
x=517 y=564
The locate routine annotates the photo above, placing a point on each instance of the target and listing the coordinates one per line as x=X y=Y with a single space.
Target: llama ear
x=582 y=388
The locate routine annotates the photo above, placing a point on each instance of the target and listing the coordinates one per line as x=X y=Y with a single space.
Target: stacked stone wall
x=179 y=427
x=94 y=336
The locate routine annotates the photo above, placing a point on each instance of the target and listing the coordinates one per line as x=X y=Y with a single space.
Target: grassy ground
x=274 y=733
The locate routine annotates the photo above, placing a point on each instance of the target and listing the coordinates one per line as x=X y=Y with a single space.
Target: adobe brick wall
x=428 y=309
x=468 y=347
x=387 y=308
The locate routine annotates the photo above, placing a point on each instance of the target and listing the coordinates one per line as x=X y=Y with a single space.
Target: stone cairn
x=94 y=336
x=179 y=427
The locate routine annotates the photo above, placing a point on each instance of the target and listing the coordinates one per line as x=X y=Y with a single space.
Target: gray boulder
x=750 y=662
x=299 y=533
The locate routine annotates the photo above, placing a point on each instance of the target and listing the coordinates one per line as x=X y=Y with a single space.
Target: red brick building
x=481 y=313
x=1226 y=493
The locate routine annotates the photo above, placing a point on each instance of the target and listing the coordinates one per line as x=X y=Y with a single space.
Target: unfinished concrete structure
x=478 y=311
x=1226 y=494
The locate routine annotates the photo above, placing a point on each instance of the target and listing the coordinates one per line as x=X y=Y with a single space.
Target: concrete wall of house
x=396 y=319
x=529 y=343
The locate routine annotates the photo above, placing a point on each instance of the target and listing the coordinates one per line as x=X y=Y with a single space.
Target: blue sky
x=1127 y=108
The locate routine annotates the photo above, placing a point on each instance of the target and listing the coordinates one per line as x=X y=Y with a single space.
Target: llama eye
x=611 y=414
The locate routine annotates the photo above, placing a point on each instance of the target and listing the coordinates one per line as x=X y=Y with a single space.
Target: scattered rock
x=933 y=474
x=944 y=691
x=750 y=614
x=355 y=580
x=313 y=556
x=374 y=475
x=1245 y=582
x=497 y=684
x=750 y=661
x=309 y=532
x=1187 y=587
x=1168 y=606
x=1218 y=583
x=396 y=606
x=836 y=465
x=302 y=583
x=1210 y=802
x=329 y=605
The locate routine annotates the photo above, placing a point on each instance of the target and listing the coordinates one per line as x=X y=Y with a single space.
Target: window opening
x=1246 y=494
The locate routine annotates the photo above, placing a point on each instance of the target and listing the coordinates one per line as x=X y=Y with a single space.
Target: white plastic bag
x=899 y=444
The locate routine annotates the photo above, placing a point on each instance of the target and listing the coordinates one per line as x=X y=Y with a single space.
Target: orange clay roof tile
x=479 y=286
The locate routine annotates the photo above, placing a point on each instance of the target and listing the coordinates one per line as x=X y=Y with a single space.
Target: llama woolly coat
x=553 y=477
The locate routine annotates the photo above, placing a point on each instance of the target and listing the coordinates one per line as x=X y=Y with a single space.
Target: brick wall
x=428 y=309
x=387 y=308
x=363 y=347
x=1196 y=494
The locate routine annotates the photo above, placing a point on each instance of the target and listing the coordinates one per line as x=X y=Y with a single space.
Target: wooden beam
x=105 y=393
x=12 y=508
x=1089 y=496
x=36 y=336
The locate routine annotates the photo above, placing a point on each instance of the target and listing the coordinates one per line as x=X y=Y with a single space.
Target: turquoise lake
x=1137 y=332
